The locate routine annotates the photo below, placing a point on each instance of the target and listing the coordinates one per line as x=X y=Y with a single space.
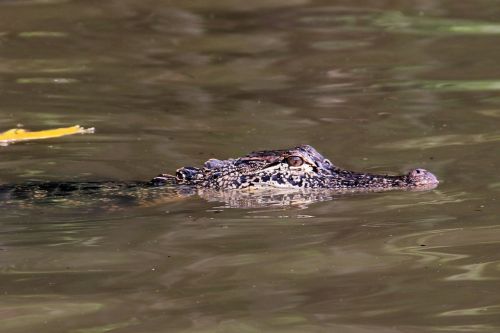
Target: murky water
x=375 y=86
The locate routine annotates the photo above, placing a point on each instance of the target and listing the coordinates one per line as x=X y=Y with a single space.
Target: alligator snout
x=422 y=178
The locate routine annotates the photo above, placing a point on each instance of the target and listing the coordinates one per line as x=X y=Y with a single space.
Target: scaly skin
x=301 y=167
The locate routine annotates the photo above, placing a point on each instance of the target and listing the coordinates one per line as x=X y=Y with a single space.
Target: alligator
x=260 y=174
x=300 y=167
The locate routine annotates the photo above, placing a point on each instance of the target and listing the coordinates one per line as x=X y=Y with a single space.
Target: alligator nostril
x=418 y=172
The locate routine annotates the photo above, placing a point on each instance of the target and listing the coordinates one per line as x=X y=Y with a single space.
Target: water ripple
x=453 y=247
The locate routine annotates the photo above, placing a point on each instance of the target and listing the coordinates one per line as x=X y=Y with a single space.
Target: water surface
x=379 y=87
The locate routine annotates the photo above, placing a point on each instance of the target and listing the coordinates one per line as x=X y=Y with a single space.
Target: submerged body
x=274 y=177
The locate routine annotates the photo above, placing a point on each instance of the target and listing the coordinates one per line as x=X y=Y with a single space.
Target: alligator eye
x=294 y=161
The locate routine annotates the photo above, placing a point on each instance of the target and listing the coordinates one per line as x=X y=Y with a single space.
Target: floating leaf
x=19 y=134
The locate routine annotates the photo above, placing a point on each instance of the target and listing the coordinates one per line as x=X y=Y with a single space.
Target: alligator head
x=301 y=167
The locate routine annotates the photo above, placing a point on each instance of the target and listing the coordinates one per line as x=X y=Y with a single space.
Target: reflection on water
x=443 y=140
x=171 y=84
x=424 y=24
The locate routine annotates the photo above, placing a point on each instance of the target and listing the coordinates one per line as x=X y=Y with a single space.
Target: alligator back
x=76 y=194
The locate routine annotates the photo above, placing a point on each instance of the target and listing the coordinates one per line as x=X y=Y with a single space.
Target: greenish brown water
x=374 y=86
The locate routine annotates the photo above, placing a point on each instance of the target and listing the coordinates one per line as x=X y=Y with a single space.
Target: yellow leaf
x=19 y=134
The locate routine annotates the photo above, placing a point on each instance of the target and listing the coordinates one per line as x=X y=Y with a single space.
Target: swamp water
x=374 y=86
